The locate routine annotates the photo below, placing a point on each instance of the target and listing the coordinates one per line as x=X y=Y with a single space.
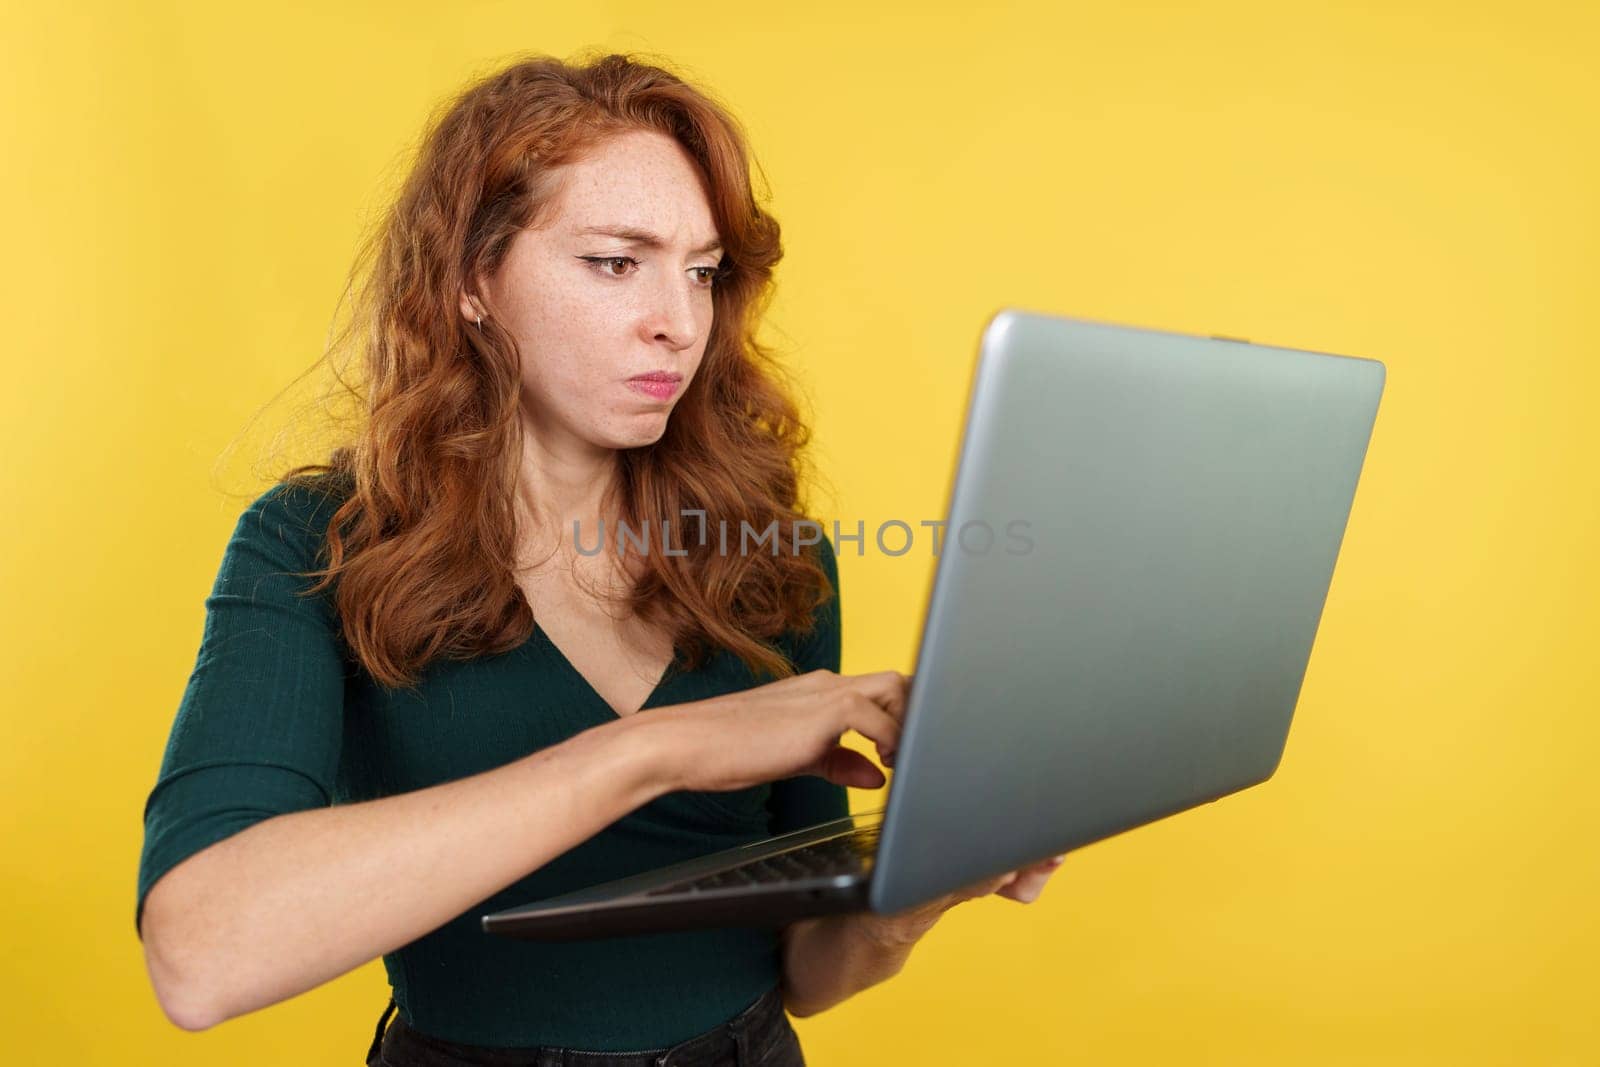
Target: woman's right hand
x=786 y=728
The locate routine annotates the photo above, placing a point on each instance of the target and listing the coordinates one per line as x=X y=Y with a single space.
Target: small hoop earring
x=480 y=322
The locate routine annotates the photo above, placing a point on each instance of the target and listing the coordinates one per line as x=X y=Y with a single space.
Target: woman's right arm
x=301 y=898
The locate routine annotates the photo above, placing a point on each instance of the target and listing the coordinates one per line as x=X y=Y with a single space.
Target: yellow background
x=1414 y=182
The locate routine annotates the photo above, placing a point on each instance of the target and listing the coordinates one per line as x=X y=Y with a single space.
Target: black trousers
x=759 y=1036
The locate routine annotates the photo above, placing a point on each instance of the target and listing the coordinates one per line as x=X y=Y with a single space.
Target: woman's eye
x=709 y=275
x=603 y=263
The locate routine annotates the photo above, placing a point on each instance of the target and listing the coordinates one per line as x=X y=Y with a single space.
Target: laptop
x=1128 y=640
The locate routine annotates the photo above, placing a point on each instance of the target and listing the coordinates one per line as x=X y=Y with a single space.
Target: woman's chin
x=640 y=432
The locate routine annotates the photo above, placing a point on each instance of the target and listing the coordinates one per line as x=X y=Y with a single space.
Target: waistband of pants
x=741 y=1040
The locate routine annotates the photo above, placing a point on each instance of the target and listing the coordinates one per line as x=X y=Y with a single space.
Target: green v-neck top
x=276 y=718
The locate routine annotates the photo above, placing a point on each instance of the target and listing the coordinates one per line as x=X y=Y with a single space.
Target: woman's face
x=592 y=310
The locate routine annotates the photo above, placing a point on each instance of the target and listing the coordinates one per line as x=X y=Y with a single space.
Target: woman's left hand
x=907 y=927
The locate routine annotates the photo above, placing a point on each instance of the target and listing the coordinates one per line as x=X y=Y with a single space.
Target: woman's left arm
x=830 y=959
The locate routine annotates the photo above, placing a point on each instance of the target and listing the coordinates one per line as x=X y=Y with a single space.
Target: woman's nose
x=674 y=314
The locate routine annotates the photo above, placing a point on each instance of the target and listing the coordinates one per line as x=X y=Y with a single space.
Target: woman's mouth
x=659 y=385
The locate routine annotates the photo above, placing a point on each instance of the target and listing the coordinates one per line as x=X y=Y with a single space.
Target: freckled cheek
x=691 y=373
x=570 y=351
x=570 y=383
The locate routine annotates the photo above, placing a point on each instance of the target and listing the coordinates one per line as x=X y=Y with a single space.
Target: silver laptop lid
x=1135 y=646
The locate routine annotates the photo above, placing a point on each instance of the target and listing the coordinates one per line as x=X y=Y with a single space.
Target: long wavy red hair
x=421 y=552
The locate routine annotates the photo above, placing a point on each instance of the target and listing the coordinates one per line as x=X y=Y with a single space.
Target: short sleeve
x=260 y=725
x=806 y=800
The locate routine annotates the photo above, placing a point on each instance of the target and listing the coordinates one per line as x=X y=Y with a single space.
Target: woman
x=471 y=707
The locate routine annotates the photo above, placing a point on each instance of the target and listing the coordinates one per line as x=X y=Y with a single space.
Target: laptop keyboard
x=850 y=853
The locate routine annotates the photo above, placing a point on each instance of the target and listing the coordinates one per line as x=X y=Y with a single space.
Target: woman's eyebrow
x=644 y=237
